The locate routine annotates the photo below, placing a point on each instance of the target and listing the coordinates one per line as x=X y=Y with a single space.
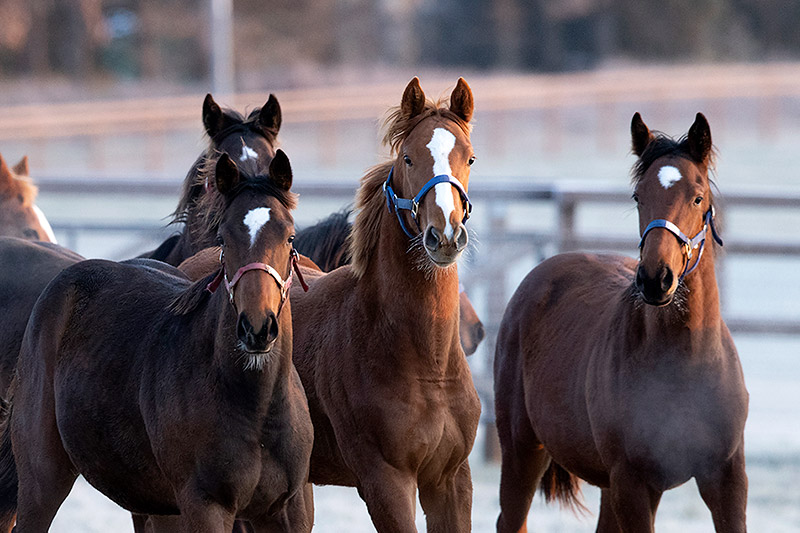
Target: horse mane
x=663 y=145
x=370 y=202
x=326 y=242
x=193 y=183
x=191 y=298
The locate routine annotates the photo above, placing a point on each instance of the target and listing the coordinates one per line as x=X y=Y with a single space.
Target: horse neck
x=428 y=307
x=699 y=323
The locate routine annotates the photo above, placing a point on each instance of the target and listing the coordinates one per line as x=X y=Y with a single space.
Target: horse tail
x=8 y=470
x=558 y=484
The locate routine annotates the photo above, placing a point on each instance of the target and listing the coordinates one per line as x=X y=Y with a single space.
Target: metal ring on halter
x=688 y=244
x=393 y=203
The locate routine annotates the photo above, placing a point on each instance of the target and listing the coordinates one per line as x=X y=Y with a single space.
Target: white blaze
x=441 y=145
x=45 y=224
x=255 y=220
x=247 y=153
x=669 y=176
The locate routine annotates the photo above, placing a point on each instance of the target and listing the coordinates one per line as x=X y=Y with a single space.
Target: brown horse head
x=433 y=143
x=19 y=215
x=248 y=141
x=255 y=232
x=674 y=198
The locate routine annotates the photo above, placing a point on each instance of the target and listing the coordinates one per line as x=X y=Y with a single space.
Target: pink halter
x=283 y=284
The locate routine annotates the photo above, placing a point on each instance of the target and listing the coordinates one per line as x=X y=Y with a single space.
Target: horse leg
x=297 y=516
x=448 y=506
x=523 y=465
x=390 y=496
x=44 y=470
x=634 y=502
x=725 y=492
x=198 y=514
x=607 y=522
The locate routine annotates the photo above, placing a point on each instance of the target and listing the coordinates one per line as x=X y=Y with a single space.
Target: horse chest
x=667 y=419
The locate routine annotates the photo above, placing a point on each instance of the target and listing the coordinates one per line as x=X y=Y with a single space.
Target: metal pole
x=222 y=60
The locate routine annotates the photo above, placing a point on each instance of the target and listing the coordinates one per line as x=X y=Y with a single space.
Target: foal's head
x=250 y=138
x=255 y=232
x=19 y=215
x=674 y=198
x=431 y=168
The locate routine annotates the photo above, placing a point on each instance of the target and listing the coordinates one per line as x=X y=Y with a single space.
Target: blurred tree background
x=169 y=40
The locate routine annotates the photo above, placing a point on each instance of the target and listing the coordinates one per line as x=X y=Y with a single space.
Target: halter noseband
x=283 y=284
x=688 y=244
x=395 y=203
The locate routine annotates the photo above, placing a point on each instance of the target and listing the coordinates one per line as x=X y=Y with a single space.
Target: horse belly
x=104 y=436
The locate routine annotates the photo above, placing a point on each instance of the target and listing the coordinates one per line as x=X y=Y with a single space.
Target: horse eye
x=635 y=198
x=471 y=160
x=31 y=233
x=291 y=239
x=220 y=241
x=698 y=200
x=407 y=160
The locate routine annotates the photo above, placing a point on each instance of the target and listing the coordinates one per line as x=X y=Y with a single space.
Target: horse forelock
x=398 y=126
x=663 y=145
x=212 y=205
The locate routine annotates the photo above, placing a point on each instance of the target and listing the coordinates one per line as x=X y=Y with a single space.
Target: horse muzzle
x=656 y=289
x=259 y=339
x=442 y=250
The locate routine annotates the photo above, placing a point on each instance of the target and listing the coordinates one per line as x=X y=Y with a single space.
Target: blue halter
x=393 y=203
x=688 y=244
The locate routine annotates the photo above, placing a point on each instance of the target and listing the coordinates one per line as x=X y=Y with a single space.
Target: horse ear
x=461 y=102
x=270 y=115
x=413 y=102
x=227 y=175
x=5 y=173
x=700 y=139
x=21 y=168
x=280 y=170
x=212 y=116
x=640 y=134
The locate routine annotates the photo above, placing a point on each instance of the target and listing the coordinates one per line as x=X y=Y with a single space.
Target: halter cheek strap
x=395 y=203
x=689 y=244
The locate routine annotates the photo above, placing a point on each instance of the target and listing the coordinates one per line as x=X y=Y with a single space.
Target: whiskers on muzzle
x=423 y=262
x=256 y=360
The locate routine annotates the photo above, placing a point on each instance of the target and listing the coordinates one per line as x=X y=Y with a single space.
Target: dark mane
x=193 y=185
x=188 y=300
x=325 y=242
x=663 y=145
x=211 y=206
x=370 y=203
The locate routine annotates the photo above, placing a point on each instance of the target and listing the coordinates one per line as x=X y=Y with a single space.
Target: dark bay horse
x=326 y=244
x=169 y=397
x=376 y=342
x=19 y=215
x=247 y=140
x=622 y=372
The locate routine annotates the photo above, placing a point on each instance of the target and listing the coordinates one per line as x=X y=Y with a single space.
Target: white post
x=222 y=59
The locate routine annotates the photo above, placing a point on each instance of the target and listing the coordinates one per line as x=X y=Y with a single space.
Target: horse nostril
x=461 y=238
x=639 y=280
x=666 y=279
x=432 y=239
x=244 y=330
x=478 y=333
x=270 y=328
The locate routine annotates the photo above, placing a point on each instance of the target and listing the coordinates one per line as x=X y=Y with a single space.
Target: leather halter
x=689 y=244
x=283 y=284
x=394 y=203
